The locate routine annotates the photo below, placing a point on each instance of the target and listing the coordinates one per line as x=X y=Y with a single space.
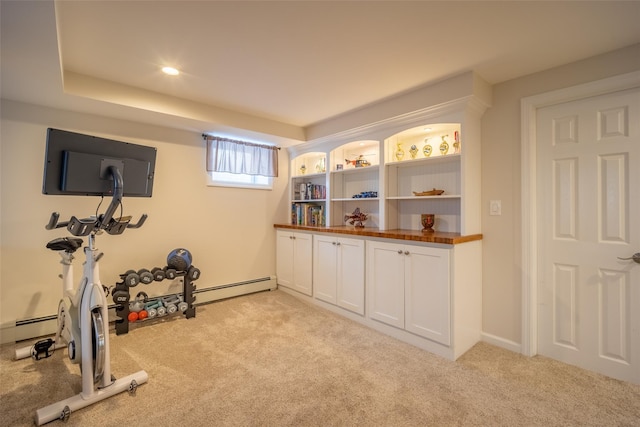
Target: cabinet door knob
x=400 y=251
x=333 y=243
x=406 y=252
x=338 y=243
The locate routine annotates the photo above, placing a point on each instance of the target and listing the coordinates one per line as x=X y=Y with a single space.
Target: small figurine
x=360 y=162
x=413 y=151
x=357 y=218
x=433 y=192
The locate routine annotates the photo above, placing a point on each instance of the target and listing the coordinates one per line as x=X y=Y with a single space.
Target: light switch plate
x=495 y=207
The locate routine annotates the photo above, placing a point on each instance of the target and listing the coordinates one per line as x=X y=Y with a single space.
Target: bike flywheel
x=98 y=344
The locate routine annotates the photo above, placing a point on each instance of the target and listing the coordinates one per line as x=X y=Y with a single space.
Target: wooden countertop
x=413 y=235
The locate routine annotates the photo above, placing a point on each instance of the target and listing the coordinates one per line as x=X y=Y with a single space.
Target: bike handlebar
x=86 y=226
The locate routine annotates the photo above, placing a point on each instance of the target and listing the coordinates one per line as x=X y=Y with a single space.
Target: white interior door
x=588 y=201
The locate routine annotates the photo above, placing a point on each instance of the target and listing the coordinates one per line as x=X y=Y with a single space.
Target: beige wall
x=229 y=231
x=501 y=180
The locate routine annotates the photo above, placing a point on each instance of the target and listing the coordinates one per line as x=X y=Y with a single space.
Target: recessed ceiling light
x=170 y=70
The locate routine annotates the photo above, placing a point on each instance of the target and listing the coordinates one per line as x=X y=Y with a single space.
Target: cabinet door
x=302 y=262
x=350 y=278
x=284 y=258
x=385 y=282
x=427 y=293
x=324 y=268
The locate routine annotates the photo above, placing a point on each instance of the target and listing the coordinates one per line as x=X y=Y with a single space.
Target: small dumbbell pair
x=133 y=278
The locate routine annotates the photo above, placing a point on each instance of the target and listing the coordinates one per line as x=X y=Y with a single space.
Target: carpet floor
x=270 y=359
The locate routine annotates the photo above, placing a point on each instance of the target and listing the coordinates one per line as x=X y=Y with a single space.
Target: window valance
x=241 y=157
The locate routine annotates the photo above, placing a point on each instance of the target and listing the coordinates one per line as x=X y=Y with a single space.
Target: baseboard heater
x=40 y=326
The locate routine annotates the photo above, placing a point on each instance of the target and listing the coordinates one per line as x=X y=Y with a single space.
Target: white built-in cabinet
x=408 y=286
x=294 y=260
x=338 y=271
x=416 y=289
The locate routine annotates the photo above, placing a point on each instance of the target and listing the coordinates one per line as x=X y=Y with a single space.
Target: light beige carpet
x=269 y=359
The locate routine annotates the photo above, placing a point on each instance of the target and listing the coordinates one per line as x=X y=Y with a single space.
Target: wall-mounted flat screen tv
x=77 y=164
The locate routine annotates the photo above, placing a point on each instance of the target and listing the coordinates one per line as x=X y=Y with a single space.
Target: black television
x=79 y=165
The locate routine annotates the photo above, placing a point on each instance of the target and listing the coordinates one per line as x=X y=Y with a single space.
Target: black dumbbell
x=193 y=273
x=170 y=273
x=158 y=274
x=121 y=297
x=131 y=278
x=145 y=276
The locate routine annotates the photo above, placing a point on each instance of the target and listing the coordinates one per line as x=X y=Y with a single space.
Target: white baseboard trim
x=501 y=342
x=34 y=328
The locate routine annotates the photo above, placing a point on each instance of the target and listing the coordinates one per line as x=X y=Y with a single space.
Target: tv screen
x=77 y=164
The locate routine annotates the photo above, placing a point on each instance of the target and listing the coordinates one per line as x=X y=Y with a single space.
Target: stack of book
x=311 y=191
x=307 y=214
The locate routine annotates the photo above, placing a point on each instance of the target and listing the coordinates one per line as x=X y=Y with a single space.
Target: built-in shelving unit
x=309 y=189
x=436 y=148
x=421 y=159
x=354 y=181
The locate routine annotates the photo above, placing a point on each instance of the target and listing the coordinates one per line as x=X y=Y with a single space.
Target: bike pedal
x=41 y=349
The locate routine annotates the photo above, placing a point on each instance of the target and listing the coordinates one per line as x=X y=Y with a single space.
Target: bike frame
x=77 y=308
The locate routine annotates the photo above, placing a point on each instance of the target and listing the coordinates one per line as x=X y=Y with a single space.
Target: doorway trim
x=529 y=111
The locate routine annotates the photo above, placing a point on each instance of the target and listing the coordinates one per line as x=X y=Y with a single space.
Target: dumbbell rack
x=188 y=288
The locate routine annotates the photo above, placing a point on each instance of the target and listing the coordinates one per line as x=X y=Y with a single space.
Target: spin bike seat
x=67 y=244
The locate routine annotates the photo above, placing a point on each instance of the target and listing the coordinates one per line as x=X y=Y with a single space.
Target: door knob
x=635 y=257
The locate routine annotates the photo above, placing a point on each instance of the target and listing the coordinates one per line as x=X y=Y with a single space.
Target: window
x=232 y=163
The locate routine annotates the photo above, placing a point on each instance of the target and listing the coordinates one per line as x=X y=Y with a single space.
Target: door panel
x=351 y=275
x=324 y=268
x=427 y=298
x=588 y=157
x=385 y=282
x=302 y=263
x=284 y=258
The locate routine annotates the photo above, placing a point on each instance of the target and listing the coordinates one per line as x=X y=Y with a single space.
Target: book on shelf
x=311 y=191
x=307 y=214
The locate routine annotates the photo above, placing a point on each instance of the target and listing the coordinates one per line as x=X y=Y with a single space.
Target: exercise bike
x=83 y=312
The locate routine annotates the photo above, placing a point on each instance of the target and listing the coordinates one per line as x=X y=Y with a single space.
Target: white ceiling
x=274 y=68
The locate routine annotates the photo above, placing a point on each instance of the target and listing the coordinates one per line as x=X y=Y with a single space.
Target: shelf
x=367 y=151
x=310 y=175
x=308 y=200
x=425 y=160
x=354 y=170
x=355 y=199
x=444 y=196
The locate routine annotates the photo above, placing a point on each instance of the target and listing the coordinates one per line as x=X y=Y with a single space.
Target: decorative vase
x=456 y=144
x=426 y=150
x=399 y=151
x=427 y=221
x=413 y=151
x=444 y=147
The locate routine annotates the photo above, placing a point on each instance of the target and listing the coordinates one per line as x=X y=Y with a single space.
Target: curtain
x=228 y=155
